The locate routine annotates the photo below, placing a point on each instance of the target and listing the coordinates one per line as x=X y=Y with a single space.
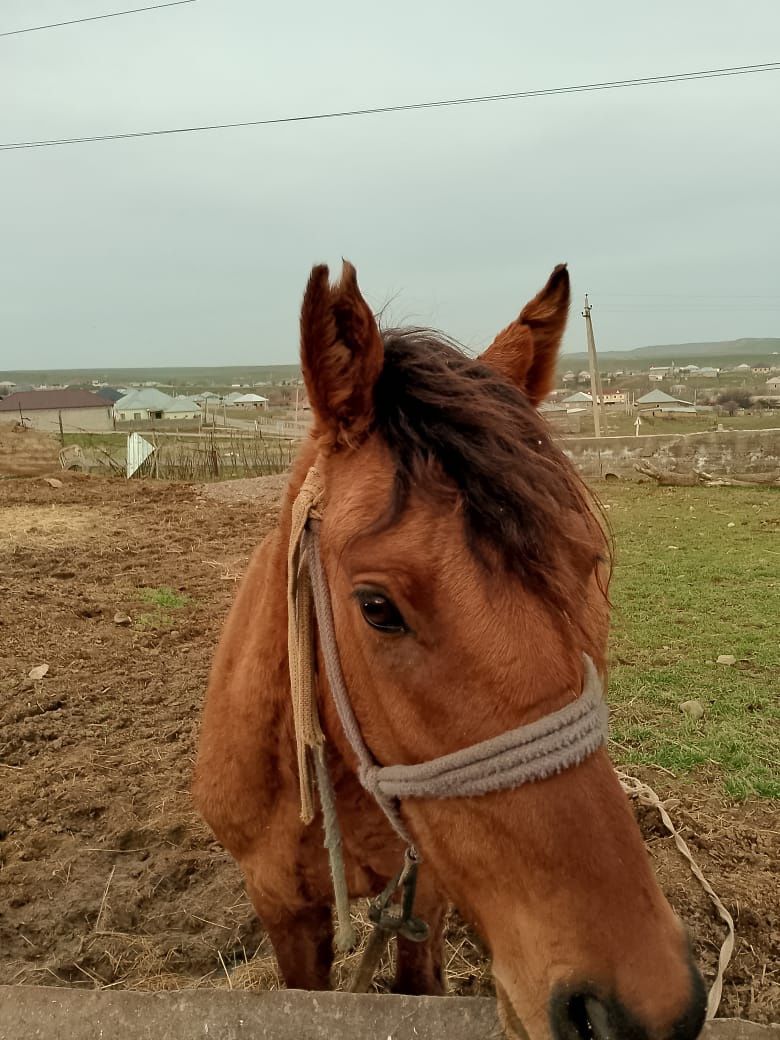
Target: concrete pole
x=595 y=381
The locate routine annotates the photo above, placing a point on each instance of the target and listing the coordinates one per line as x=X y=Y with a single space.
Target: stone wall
x=75 y=1014
x=729 y=451
x=74 y=420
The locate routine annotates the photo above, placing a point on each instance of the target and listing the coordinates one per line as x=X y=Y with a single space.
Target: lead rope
x=643 y=793
x=309 y=738
x=300 y=641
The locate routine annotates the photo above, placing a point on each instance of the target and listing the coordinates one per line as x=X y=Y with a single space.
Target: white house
x=657 y=373
x=659 y=402
x=613 y=397
x=251 y=401
x=140 y=404
x=182 y=408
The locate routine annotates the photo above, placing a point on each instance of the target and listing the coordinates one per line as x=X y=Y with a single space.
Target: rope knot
x=368 y=774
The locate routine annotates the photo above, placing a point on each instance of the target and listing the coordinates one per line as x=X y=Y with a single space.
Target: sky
x=195 y=248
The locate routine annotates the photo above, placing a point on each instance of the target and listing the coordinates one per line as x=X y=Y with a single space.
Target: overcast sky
x=194 y=249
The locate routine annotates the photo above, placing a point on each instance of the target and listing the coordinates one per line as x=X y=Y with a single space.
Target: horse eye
x=380 y=612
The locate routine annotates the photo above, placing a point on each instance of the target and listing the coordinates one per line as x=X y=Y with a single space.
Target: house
x=708 y=373
x=577 y=401
x=758 y=370
x=141 y=404
x=71 y=411
x=251 y=401
x=773 y=383
x=660 y=403
x=559 y=418
x=182 y=408
x=568 y=377
x=743 y=368
x=613 y=397
x=658 y=373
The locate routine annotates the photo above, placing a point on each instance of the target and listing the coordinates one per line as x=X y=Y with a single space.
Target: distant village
x=663 y=391
x=101 y=408
x=660 y=391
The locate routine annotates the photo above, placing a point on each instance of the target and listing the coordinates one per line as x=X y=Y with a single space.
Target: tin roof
x=37 y=400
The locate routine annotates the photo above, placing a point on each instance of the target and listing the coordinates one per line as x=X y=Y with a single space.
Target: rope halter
x=533 y=752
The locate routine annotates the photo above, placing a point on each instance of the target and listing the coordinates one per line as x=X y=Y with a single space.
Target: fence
x=198 y=457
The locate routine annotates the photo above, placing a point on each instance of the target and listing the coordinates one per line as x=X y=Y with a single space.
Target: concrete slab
x=74 y=1014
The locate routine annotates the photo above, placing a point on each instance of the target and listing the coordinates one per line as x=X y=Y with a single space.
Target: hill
x=730 y=351
x=171 y=375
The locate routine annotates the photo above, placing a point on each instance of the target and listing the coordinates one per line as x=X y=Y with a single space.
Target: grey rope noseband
x=533 y=752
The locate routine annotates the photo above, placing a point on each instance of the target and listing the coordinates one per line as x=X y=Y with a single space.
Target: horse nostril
x=580 y=1016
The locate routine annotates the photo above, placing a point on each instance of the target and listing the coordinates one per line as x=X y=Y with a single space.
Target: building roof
x=579 y=398
x=249 y=399
x=661 y=397
x=36 y=400
x=109 y=394
x=182 y=404
x=145 y=399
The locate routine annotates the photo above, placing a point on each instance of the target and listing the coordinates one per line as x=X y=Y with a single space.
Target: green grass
x=108 y=441
x=687 y=588
x=164 y=601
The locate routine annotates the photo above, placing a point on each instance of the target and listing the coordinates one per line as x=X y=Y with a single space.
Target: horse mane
x=456 y=428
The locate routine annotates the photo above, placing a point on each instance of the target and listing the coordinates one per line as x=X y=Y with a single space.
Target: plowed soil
x=107 y=877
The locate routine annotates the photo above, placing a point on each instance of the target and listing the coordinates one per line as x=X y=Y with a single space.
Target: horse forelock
x=456 y=428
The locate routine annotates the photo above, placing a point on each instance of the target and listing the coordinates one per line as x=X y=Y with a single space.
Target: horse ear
x=341 y=354
x=526 y=351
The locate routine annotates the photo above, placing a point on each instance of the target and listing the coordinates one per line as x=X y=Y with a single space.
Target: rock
x=727 y=659
x=693 y=709
x=731 y=524
x=122 y=619
x=53 y=482
x=38 y=672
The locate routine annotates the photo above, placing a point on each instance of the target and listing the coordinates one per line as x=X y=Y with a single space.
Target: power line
x=691 y=296
x=580 y=88
x=95 y=18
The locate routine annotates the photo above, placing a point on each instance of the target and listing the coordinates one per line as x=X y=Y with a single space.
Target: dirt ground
x=107 y=878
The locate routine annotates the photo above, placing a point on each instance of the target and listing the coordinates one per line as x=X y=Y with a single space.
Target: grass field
x=697 y=575
x=622 y=425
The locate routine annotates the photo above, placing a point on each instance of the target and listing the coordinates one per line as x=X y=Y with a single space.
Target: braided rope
x=300 y=641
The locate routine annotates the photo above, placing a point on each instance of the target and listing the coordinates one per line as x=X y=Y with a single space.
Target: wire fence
x=193 y=457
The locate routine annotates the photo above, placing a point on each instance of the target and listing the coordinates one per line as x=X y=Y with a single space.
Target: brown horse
x=467 y=572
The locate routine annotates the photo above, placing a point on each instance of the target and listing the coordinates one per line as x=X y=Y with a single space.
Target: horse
x=467 y=570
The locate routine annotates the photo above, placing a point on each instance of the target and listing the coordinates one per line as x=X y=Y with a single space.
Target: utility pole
x=595 y=380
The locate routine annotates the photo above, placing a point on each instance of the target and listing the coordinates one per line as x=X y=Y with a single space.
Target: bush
x=731 y=400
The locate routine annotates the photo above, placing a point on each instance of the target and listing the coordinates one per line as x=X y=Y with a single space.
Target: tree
x=733 y=400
